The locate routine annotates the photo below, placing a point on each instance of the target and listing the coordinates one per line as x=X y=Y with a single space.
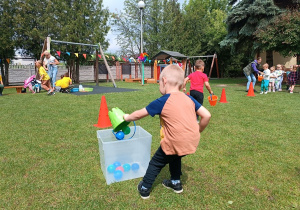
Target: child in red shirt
x=198 y=80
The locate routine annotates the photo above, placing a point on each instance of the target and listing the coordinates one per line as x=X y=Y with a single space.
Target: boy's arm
x=184 y=83
x=136 y=115
x=208 y=87
x=205 y=117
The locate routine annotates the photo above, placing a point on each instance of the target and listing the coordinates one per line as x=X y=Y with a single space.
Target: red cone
x=251 y=91
x=223 y=97
x=103 y=119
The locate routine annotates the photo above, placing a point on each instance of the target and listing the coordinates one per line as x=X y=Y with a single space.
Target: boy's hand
x=125 y=116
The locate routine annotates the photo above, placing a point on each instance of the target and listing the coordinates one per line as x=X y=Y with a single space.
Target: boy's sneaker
x=261 y=92
x=266 y=92
x=145 y=193
x=177 y=188
x=49 y=91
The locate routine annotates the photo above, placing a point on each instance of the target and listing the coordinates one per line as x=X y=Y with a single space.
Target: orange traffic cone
x=251 y=91
x=223 y=97
x=103 y=119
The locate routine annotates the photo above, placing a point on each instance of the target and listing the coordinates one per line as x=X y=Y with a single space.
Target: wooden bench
x=18 y=88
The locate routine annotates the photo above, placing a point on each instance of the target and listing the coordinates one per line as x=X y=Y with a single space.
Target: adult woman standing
x=249 y=71
x=50 y=64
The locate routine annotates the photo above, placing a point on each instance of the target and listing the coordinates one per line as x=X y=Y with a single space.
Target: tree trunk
x=77 y=71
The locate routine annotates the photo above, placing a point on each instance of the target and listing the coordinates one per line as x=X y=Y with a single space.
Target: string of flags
x=144 y=57
x=7 y=60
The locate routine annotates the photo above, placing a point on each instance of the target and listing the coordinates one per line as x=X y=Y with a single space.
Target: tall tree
x=203 y=22
x=127 y=24
x=171 y=27
x=246 y=17
x=7 y=36
x=282 y=34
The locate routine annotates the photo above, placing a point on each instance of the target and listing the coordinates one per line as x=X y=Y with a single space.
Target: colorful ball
x=118 y=174
x=111 y=168
x=120 y=168
x=126 y=130
x=135 y=166
x=120 y=135
x=117 y=164
x=126 y=167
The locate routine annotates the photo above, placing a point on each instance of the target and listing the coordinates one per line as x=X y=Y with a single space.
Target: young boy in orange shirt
x=180 y=132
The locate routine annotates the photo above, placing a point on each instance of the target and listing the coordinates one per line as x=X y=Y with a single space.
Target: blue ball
x=117 y=164
x=126 y=167
x=118 y=174
x=135 y=166
x=111 y=168
x=120 y=135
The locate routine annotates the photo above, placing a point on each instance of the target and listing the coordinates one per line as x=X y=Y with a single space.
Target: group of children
x=62 y=85
x=273 y=78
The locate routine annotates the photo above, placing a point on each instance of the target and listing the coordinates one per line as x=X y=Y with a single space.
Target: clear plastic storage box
x=124 y=159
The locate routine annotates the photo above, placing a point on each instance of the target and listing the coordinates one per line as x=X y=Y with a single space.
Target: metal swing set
x=48 y=41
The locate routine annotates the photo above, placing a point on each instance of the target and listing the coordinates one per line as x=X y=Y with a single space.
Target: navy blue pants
x=197 y=95
x=156 y=164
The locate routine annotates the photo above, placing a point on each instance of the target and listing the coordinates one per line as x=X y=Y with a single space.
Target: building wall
x=279 y=59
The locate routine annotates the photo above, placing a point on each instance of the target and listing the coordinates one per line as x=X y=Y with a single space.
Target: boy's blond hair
x=174 y=75
x=199 y=63
x=272 y=68
x=267 y=65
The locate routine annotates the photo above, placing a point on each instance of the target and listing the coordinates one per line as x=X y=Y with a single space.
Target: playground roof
x=164 y=54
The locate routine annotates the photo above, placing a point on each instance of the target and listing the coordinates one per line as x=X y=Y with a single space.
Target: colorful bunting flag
x=93 y=56
x=68 y=53
x=76 y=54
x=8 y=60
x=129 y=60
x=149 y=61
x=124 y=59
x=84 y=55
x=99 y=56
x=58 y=53
x=107 y=56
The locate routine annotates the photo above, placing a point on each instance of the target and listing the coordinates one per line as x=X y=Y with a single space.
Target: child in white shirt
x=272 y=79
x=279 y=73
x=265 y=81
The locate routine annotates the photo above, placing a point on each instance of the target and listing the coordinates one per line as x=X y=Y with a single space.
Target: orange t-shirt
x=179 y=128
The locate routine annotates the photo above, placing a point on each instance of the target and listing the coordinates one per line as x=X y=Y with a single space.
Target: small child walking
x=265 y=82
x=292 y=78
x=198 y=80
x=279 y=73
x=179 y=133
x=273 y=78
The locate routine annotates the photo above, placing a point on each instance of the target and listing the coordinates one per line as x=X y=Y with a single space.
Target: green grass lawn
x=248 y=156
